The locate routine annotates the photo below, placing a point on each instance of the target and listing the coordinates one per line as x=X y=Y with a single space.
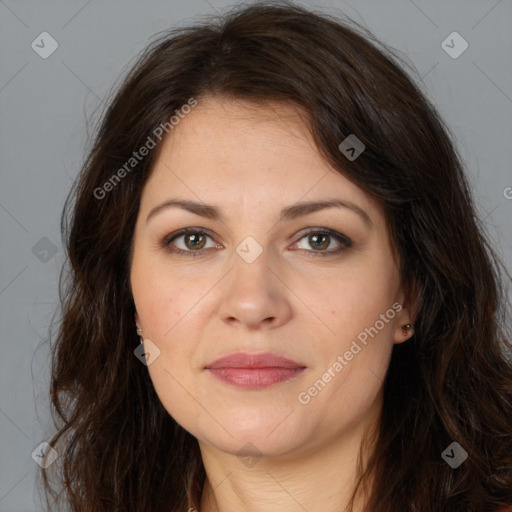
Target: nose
x=254 y=295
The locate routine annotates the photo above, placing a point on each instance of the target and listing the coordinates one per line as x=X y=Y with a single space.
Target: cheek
x=359 y=312
x=164 y=295
x=174 y=372
x=347 y=384
x=355 y=303
x=174 y=387
x=160 y=301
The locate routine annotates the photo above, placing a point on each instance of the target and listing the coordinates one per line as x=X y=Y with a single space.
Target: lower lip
x=255 y=378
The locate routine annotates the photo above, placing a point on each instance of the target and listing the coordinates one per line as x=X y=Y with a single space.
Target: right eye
x=194 y=242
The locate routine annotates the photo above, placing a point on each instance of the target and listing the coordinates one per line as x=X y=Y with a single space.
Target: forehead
x=237 y=128
x=228 y=151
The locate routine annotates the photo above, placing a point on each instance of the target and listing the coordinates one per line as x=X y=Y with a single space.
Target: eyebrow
x=288 y=213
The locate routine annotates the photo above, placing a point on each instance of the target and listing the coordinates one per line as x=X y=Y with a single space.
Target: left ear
x=406 y=307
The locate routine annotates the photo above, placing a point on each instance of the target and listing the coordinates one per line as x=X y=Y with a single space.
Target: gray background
x=44 y=106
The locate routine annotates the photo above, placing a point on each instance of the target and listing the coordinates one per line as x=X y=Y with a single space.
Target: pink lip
x=253 y=371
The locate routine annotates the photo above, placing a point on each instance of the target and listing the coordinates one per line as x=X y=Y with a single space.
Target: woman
x=280 y=297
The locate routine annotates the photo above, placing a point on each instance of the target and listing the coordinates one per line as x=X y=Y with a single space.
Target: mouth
x=254 y=371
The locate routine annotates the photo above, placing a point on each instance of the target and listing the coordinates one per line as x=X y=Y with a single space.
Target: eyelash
x=344 y=241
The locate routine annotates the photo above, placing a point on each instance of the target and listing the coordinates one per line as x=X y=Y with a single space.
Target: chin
x=253 y=445
x=256 y=438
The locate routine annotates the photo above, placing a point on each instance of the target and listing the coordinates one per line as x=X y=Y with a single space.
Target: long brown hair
x=118 y=447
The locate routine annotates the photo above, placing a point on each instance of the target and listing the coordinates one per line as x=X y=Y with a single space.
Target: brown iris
x=194 y=238
x=313 y=239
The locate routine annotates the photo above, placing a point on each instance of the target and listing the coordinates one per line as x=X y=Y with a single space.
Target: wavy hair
x=119 y=448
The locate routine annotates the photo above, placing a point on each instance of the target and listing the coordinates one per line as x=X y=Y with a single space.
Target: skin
x=251 y=161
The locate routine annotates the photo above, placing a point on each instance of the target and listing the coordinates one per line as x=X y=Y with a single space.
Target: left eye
x=321 y=240
x=195 y=242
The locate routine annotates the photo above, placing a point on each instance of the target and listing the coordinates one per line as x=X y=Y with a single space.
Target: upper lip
x=245 y=360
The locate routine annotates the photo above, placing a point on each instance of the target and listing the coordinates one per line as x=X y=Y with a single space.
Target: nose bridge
x=251 y=273
x=253 y=293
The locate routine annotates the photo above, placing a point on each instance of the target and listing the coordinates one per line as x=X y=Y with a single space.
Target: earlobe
x=404 y=329
x=407 y=331
x=403 y=332
x=137 y=323
x=139 y=328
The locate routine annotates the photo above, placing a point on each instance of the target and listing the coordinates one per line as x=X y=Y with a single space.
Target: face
x=318 y=286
